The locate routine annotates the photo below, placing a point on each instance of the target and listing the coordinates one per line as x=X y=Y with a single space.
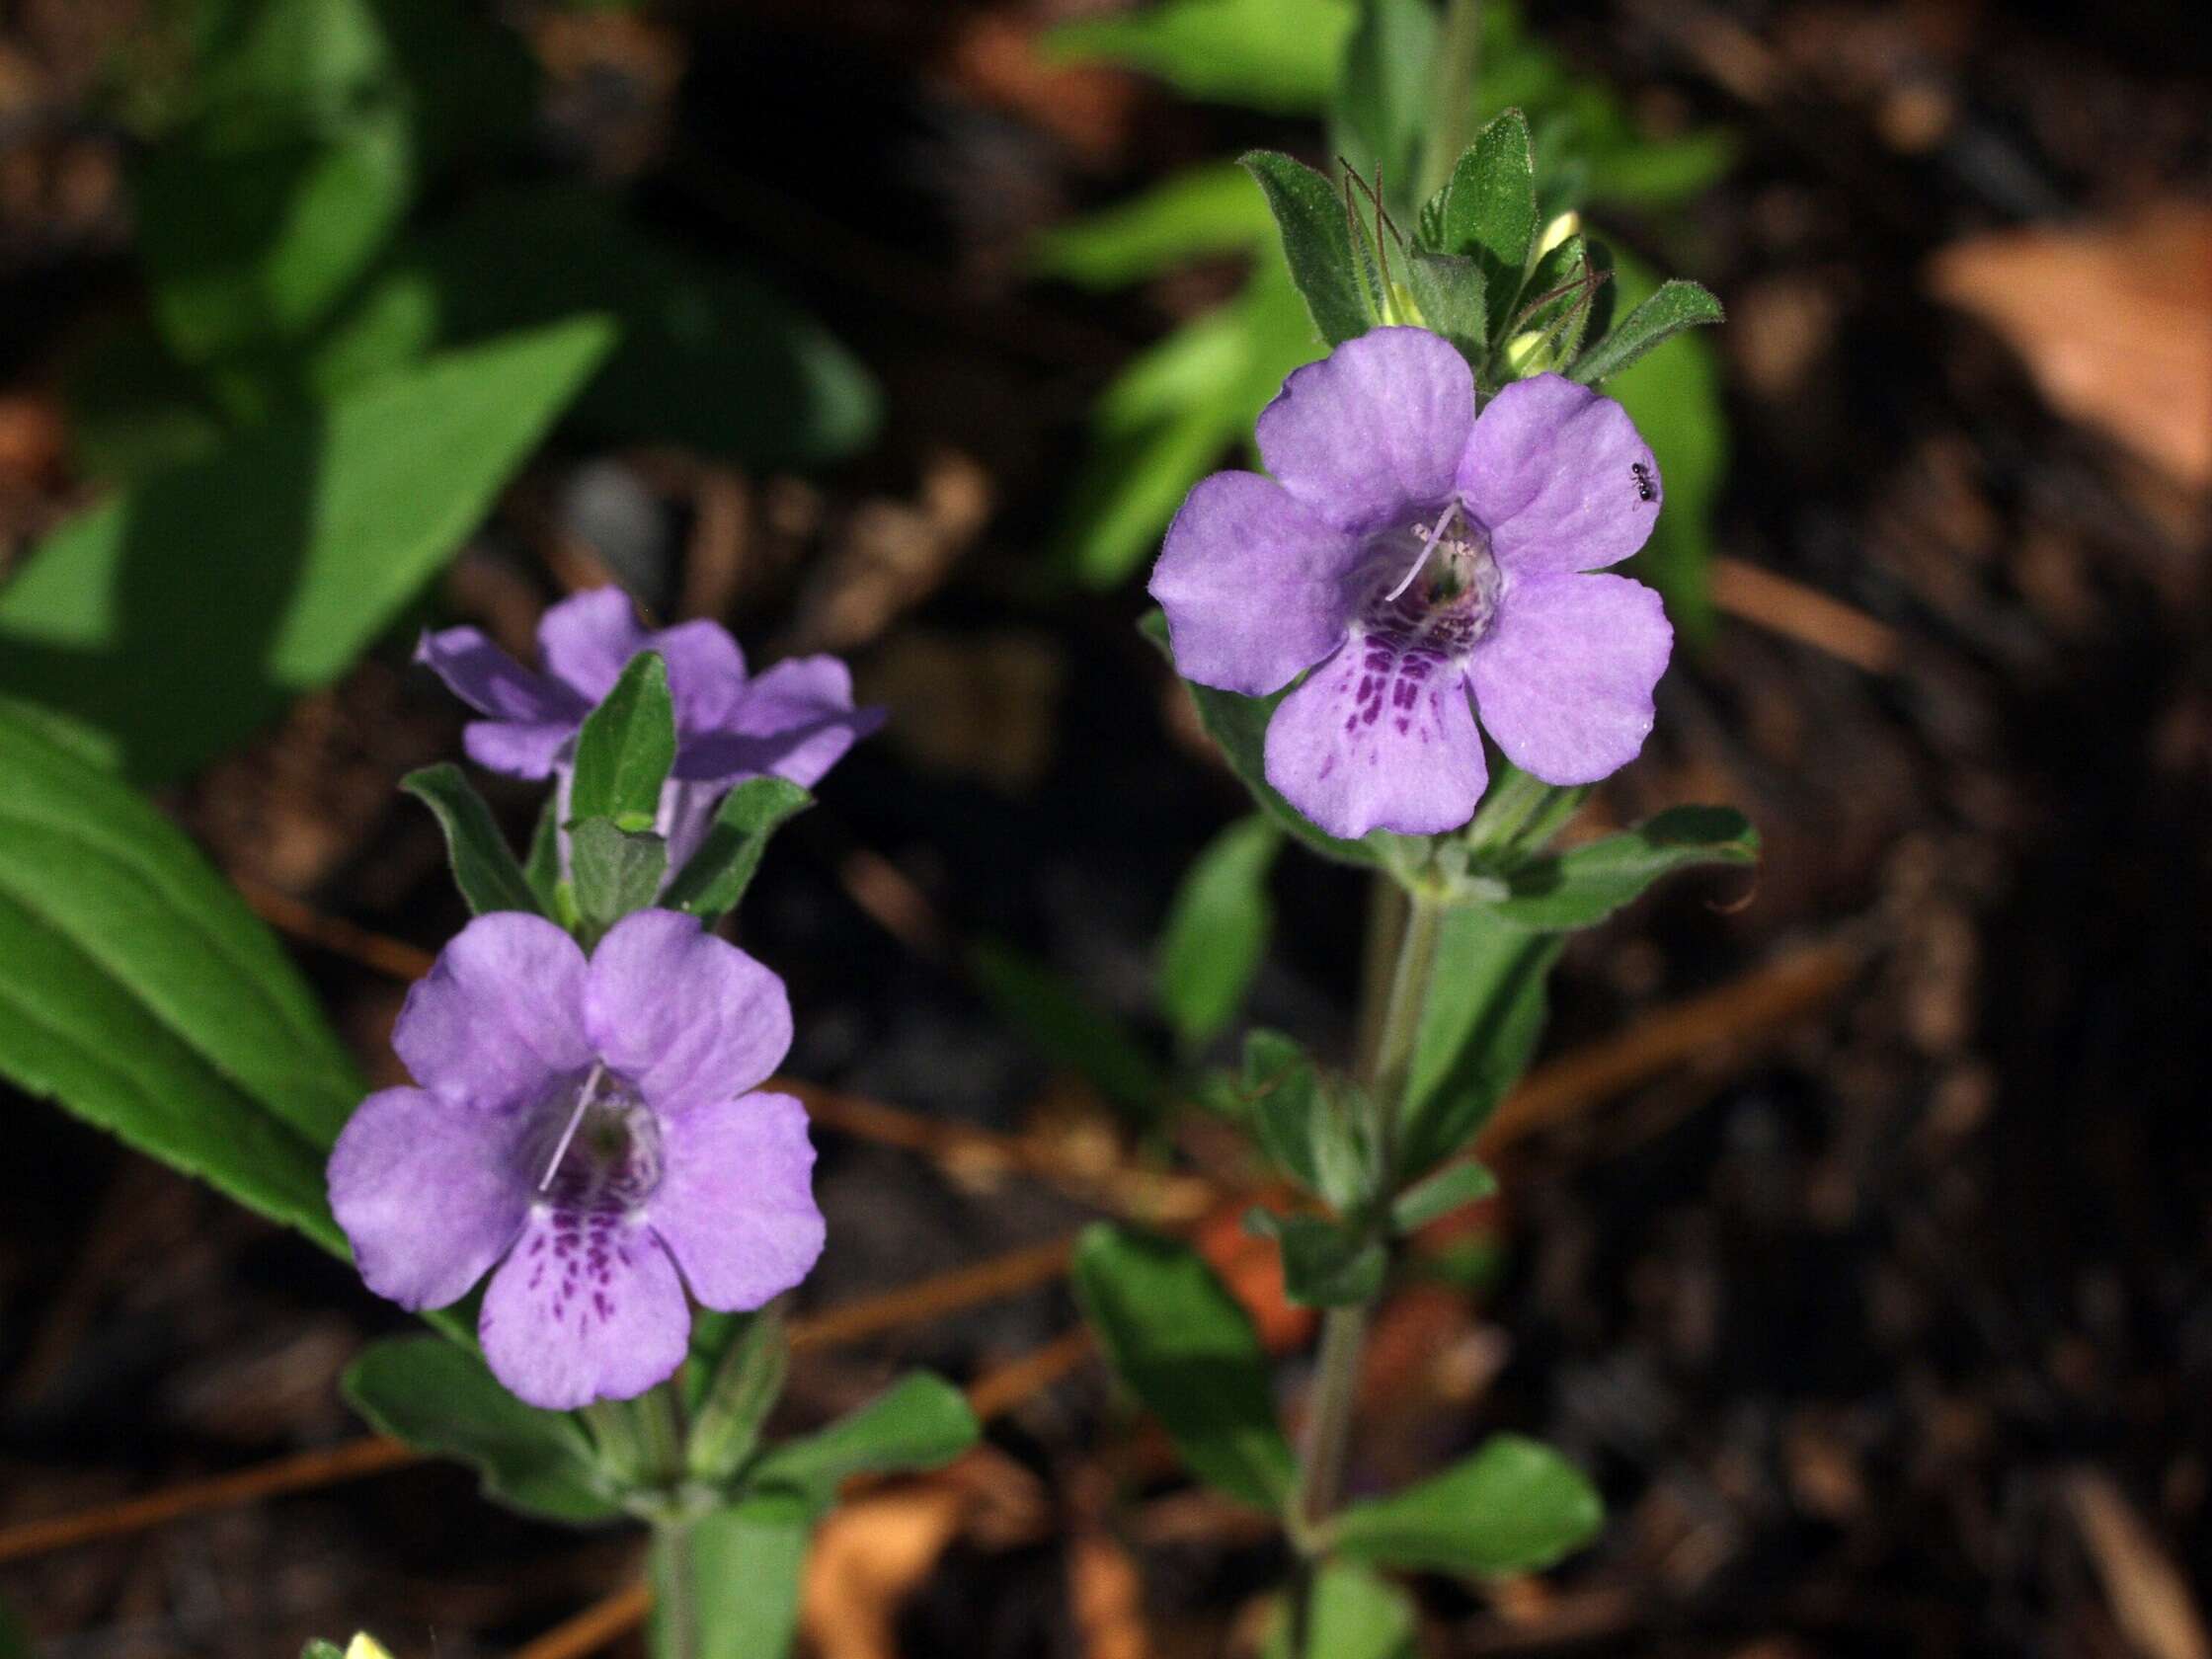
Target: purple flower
x=796 y=721
x=1410 y=553
x=586 y=1126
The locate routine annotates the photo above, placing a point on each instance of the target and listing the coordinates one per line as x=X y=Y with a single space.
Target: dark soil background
x=1883 y=1316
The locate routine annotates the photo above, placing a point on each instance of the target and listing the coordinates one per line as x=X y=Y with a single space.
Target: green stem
x=1336 y=1379
x=1458 y=61
x=676 y=1592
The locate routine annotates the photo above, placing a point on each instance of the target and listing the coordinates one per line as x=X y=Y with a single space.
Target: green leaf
x=484 y=866
x=1490 y=210
x=733 y=1577
x=1282 y=1093
x=626 y=746
x=718 y=874
x=1356 y=1615
x=138 y=992
x=1447 y=1189
x=1582 y=886
x=709 y=356
x=1186 y=1348
x=1381 y=105
x=1451 y=293
x=1066 y=1028
x=615 y=872
x=308 y=129
x=920 y=1422
x=1217 y=930
x=1239 y=725
x=1673 y=394
x=14 y=1640
x=438 y=1397
x=289 y=552
x=1173 y=413
x=134 y=410
x=1316 y=244
x=1555 y=310
x=1478 y=1029
x=1677 y=305
x=1278 y=55
x=1515 y=1506
x=732 y=1380
x=1325 y=1263
x=1205 y=210
x=316 y=1649
x=541 y=866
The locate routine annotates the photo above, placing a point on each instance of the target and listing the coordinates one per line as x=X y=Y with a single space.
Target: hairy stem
x=676 y=1592
x=1329 y=1422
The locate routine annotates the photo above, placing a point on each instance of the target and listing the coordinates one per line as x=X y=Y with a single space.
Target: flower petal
x=589 y=640
x=706 y=673
x=1371 y=434
x=1255 y=587
x=499 y=1016
x=517 y=749
x=430 y=1194
x=795 y=722
x=1564 y=677
x=587 y=1307
x=735 y=1201
x=1551 y=471
x=688 y=1018
x=491 y=681
x=1379 y=737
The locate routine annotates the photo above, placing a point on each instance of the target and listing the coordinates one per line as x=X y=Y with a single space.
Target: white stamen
x=1436 y=534
x=584 y=1099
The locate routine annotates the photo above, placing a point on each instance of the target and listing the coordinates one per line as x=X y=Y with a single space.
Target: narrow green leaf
x=1677 y=305
x=1356 y=1615
x=437 y=1395
x=615 y=872
x=732 y=1380
x=1447 y=1189
x=138 y=992
x=1325 y=1263
x=542 y=867
x=1066 y=1028
x=1515 y=1506
x=1454 y=300
x=1278 y=55
x=718 y=874
x=1282 y=1092
x=316 y=1649
x=1239 y=725
x=295 y=547
x=1554 y=311
x=1485 y=1012
x=920 y=1422
x=1316 y=244
x=1186 y=1348
x=1203 y=210
x=626 y=747
x=1381 y=105
x=484 y=866
x=725 y=1586
x=1490 y=210
x=1582 y=886
x=1218 y=930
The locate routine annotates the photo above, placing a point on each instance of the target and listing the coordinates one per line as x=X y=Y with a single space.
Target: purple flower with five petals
x=1409 y=553
x=796 y=721
x=590 y=1129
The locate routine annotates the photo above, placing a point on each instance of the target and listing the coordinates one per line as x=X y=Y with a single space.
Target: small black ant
x=1648 y=487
